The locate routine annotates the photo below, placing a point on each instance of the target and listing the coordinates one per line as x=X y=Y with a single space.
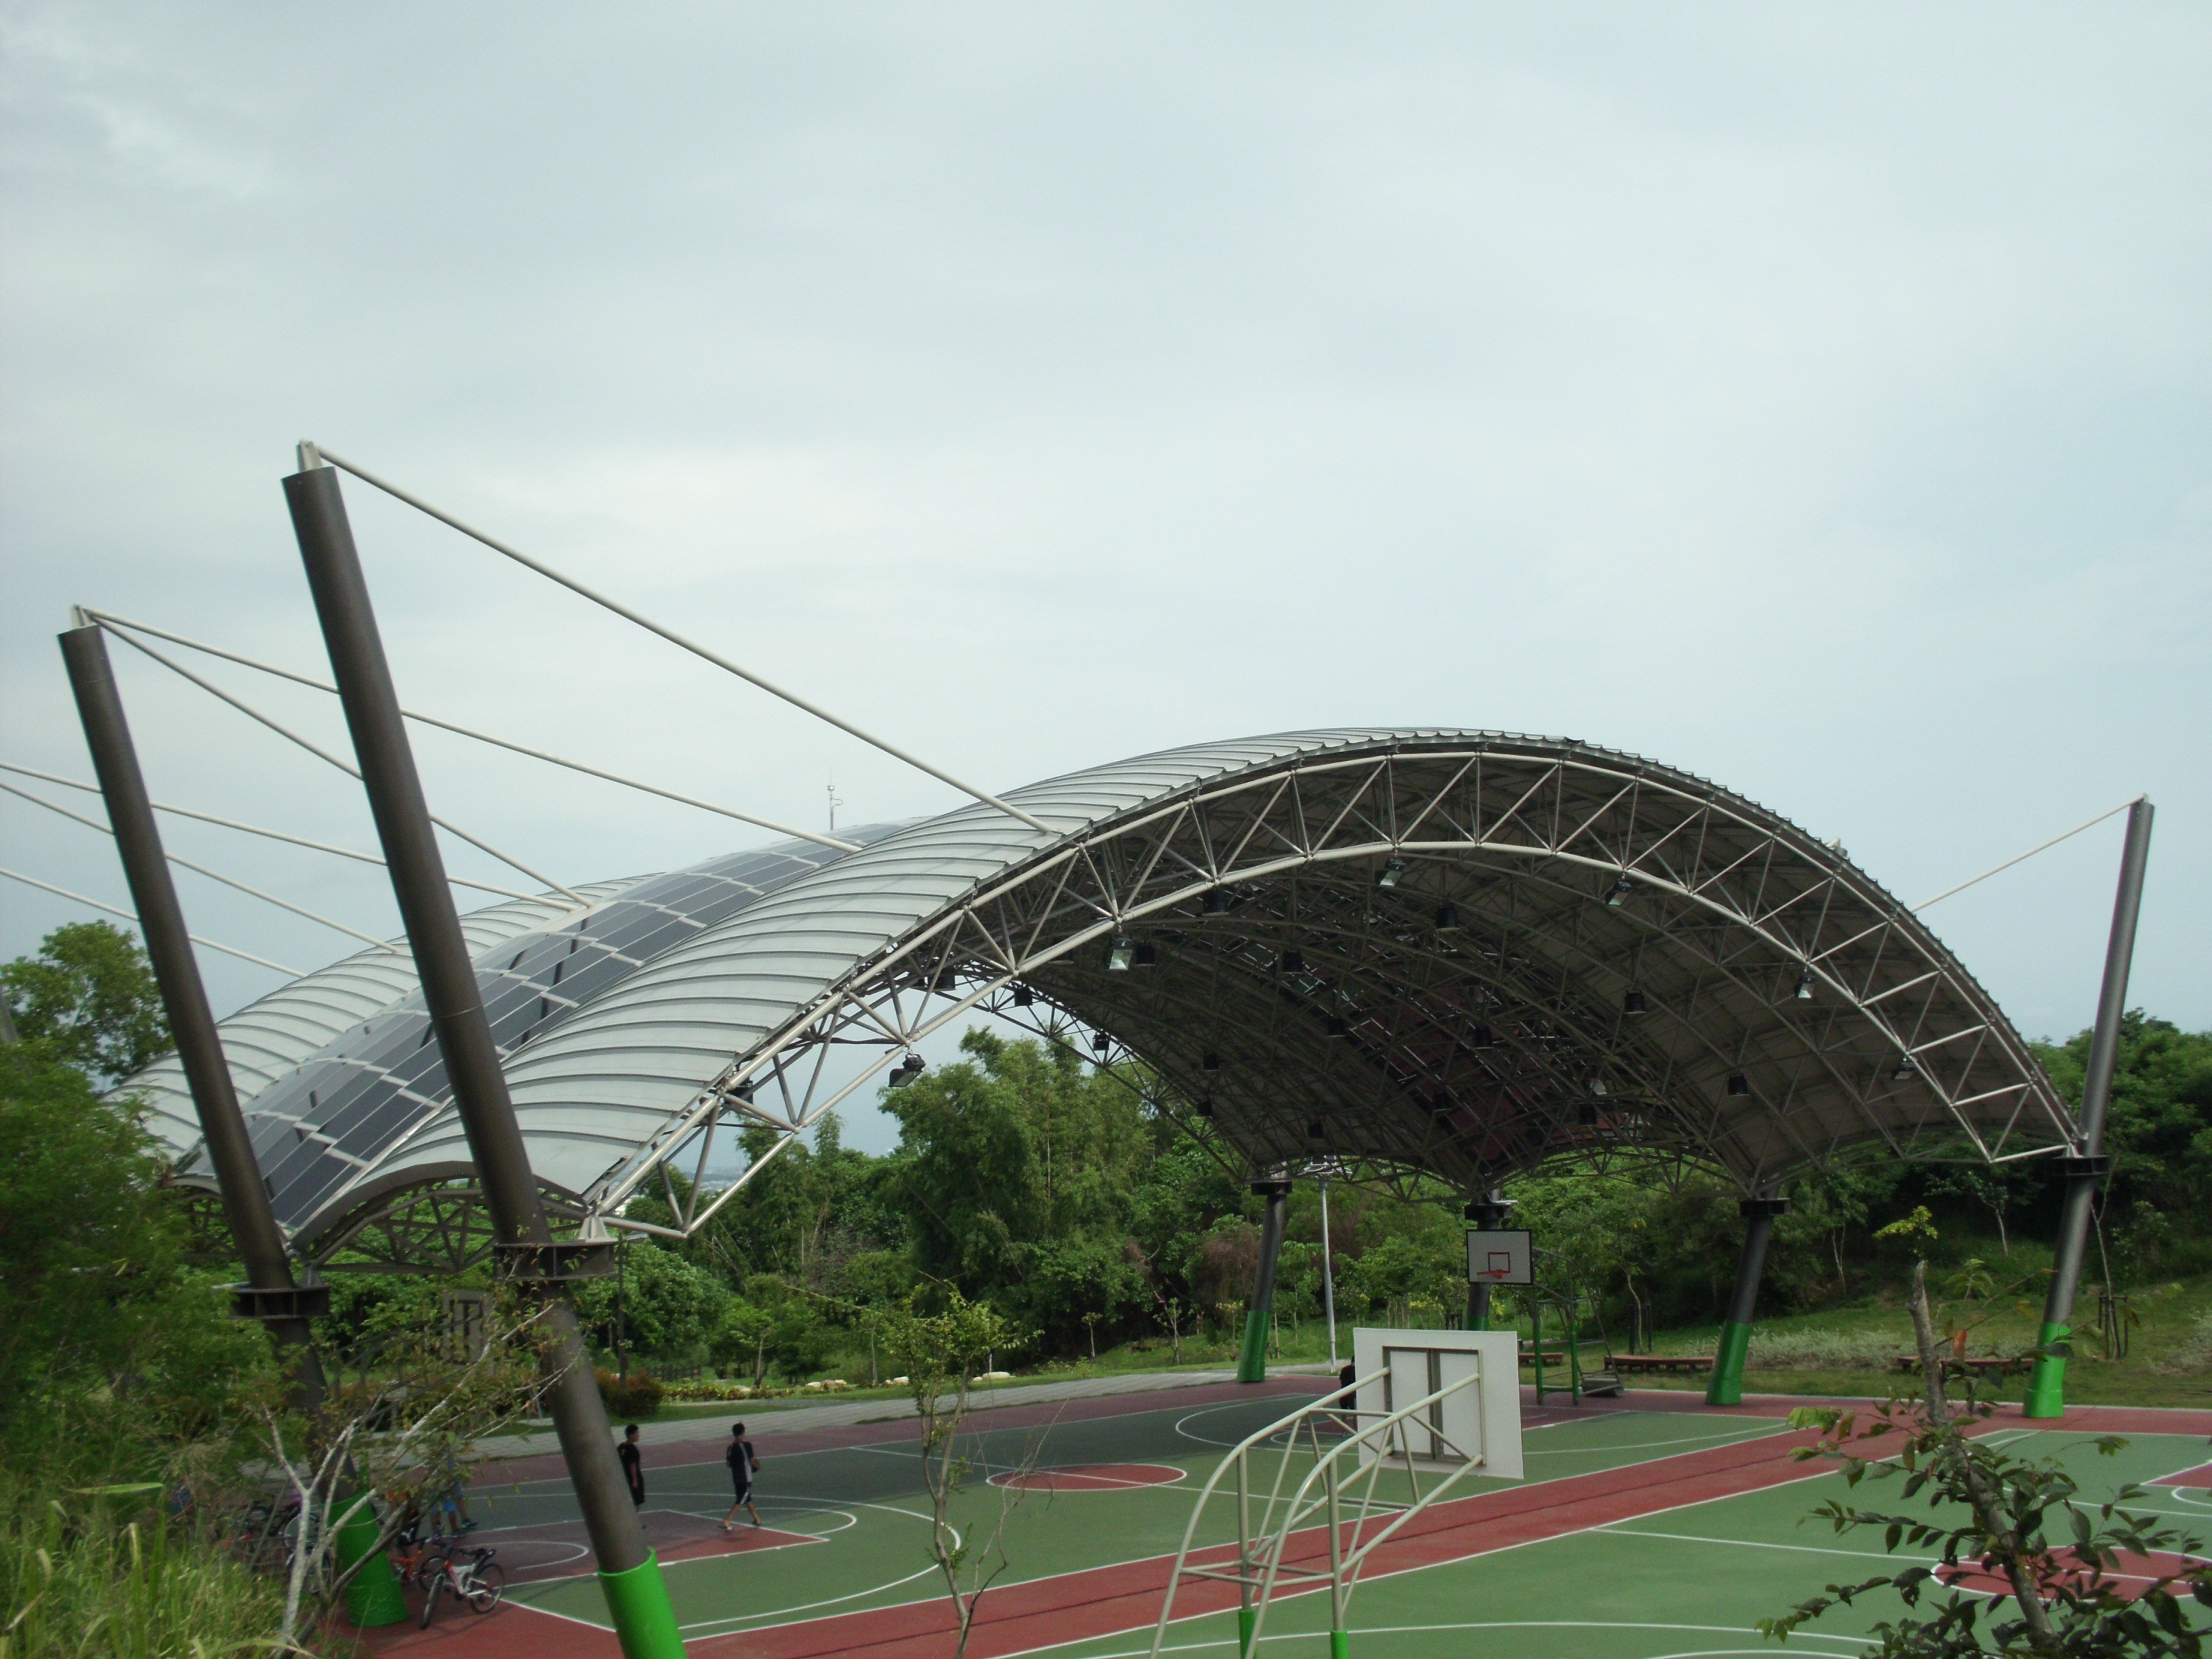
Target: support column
x=270 y=1293
x=2046 y=1390
x=1252 y=1362
x=1758 y=1215
x=629 y=1577
x=1486 y=1214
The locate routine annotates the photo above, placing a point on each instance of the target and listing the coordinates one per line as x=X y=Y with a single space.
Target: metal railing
x=1323 y=1495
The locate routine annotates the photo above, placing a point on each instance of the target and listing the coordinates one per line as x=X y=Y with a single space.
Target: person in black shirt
x=743 y=1460
x=633 y=1465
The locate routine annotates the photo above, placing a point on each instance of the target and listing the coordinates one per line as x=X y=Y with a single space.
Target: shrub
x=638 y=1395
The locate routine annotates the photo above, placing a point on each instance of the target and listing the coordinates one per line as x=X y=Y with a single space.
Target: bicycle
x=477 y=1581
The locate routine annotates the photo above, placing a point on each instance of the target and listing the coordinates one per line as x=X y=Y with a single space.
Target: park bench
x=1978 y=1364
x=1644 y=1365
x=1552 y=1356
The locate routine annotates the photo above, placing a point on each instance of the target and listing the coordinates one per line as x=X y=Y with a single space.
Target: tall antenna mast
x=835 y=803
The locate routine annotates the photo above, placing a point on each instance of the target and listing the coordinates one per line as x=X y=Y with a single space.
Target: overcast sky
x=1812 y=398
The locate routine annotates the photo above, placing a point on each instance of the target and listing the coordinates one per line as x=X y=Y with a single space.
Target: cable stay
x=183 y=863
x=114 y=624
x=2022 y=858
x=346 y=766
x=311 y=455
x=354 y=854
x=131 y=916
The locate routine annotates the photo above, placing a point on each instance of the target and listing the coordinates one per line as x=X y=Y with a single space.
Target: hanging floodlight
x=907 y=1069
x=1024 y=996
x=1337 y=1028
x=1209 y=1061
x=1216 y=901
x=1738 y=1083
x=1597 y=1085
x=1632 y=1003
x=1447 y=917
x=1393 y=873
x=1316 y=1130
x=1100 y=1043
x=1805 y=986
x=1587 y=1116
x=1905 y=1071
x=1620 y=891
x=1484 y=1037
x=1121 y=954
x=1293 y=962
x=1204 y=1108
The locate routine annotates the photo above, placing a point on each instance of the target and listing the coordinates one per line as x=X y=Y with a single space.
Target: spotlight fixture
x=1316 y=1130
x=1738 y=1083
x=1440 y=1104
x=1587 y=1116
x=912 y=1066
x=1393 y=873
x=1805 y=986
x=1100 y=1043
x=1905 y=1071
x=1146 y=956
x=1337 y=1028
x=1024 y=996
x=1447 y=917
x=1209 y=1061
x=1205 y=1108
x=1484 y=1037
x=1619 y=895
x=1632 y=1003
x=1216 y=901
x=1119 y=955
x=1293 y=962
x=943 y=980
x=1597 y=1085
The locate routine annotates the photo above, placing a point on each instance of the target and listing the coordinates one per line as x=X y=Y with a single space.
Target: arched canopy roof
x=1460 y=953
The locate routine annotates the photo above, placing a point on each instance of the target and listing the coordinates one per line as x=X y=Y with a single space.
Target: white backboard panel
x=1499 y=1258
x=1481 y=1421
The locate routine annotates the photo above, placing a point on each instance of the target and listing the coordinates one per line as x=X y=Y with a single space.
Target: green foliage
x=113 y=1578
x=98 y=1300
x=88 y=999
x=669 y=1306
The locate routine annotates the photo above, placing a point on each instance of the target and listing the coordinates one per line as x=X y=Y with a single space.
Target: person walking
x=743 y=1460
x=633 y=1465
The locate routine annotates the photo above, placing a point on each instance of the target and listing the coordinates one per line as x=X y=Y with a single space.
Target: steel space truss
x=1457 y=959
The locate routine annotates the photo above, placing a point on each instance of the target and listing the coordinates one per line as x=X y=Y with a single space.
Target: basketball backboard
x=1499 y=1258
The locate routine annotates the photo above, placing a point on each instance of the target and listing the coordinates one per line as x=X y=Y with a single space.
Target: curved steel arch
x=1458 y=954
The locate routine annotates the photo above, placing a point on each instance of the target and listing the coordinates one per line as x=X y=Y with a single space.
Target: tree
x=2002 y=1517
x=940 y=1353
x=669 y=1306
x=88 y=999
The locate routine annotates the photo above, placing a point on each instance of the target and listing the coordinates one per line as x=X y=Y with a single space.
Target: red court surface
x=2135 y=1575
x=2199 y=1476
x=1126 y=1596
x=558 y=1550
x=1092 y=1477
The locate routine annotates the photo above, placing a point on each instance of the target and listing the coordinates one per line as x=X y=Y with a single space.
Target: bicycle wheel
x=487 y=1584
x=430 y=1599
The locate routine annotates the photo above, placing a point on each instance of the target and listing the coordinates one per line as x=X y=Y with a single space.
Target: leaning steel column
x=1758 y=1215
x=2047 y=1385
x=1252 y=1362
x=269 y=1294
x=1483 y=1215
x=629 y=1574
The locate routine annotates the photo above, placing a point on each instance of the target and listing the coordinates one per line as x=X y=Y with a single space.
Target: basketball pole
x=1759 y=1217
x=629 y=1574
x=2085 y=1170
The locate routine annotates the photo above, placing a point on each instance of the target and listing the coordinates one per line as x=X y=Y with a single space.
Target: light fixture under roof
x=1209 y=1061
x=1805 y=986
x=1587 y=1116
x=1100 y=1043
x=1447 y=917
x=1024 y=996
x=1316 y=1130
x=1205 y=1108
x=1905 y=1071
x=1146 y=954
x=1294 y=962
x=1121 y=954
x=1216 y=901
x=1632 y=1003
x=1393 y=873
x=1597 y=1085
x=1484 y=1037
x=1738 y=1083
x=1337 y=1028
x=907 y=1069
x=1620 y=892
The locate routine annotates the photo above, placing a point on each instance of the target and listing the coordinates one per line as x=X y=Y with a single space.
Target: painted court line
x=1763 y=1544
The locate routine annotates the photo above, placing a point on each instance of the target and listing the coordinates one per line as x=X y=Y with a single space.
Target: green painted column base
x=1727 y=1388
x=645 y=1623
x=1252 y=1358
x=374 y=1598
x=1246 y=1618
x=1340 y=1644
x=2046 y=1384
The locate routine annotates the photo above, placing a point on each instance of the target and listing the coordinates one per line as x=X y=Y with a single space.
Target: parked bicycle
x=470 y=1575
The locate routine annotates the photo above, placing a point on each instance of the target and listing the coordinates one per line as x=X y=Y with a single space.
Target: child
x=743 y=1460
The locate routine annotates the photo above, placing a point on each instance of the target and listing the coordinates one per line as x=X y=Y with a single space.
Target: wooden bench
x=1551 y=1357
x=1980 y=1364
x=1645 y=1365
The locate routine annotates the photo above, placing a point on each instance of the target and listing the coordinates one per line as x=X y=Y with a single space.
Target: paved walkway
x=773 y=1417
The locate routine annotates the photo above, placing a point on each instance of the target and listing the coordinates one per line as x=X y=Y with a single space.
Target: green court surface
x=848 y=1528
